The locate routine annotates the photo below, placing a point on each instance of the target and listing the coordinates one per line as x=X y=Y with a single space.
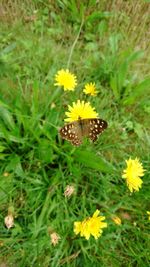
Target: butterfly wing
x=72 y=132
x=77 y=130
x=94 y=127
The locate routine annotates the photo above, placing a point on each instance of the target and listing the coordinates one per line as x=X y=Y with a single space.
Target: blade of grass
x=90 y=159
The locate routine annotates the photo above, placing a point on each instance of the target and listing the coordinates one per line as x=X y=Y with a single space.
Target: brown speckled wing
x=75 y=131
x=72 y=132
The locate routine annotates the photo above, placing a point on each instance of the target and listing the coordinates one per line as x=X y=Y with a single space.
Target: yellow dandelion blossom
x=82 y=228
x=6 y=174
x=132 y=174
x=90 y=226
x=80 y=110
x=116 y=220
x=66 y=79
x=148 y=213
x=90 y=89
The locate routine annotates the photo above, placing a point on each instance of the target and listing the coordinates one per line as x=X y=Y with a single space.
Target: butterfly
x=77 y=130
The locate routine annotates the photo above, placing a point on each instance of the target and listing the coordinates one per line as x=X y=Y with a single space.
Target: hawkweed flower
x=90 y=89
x=116 y=220
x=9 y=221
x=148 y=213
x=69 y=190
x=90 y=226
x=81 y=110
x=54 y=238
x=6 y=174
x=132 y=174
x=1 y=245
x=66 y=79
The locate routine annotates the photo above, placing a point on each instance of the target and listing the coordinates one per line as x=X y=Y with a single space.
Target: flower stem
x=74 y=43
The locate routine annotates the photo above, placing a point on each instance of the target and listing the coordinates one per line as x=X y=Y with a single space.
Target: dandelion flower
x=6 y=174
x=69 y=190
x=80 y=110
x=1 y=244
x=90 y=226
x=132 y=174
x=116 y=220
x=90 y=89
x=54 y=238
x=148 y=213
x=66 y=79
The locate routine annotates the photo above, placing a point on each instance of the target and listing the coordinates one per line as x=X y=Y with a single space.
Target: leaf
x=138 y=128
x=2 y=154
x=5 y=134
x=45 y=151
x=134 y=56
x=6 y=116
x=114 y=86
x=15 y=165
x=8 y=49
x=90 y=159
x=97 y=15
x=141 y=89
x=122 y=73
x=2 y=148
x=102 y=28
x=113 y=41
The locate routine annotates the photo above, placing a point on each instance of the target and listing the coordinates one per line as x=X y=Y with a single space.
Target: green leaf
x=2 y=156
x=5 y=134
x=114 y=86
x=6 y=116
x=102 y=27
x=122 y=73
x=91 y=160
x=114 y=42
x=45 y=151
x=141 y=89
x=97 y=15
x=134 y=56
x=138 y=128
x=2 y=148
x=8 y=49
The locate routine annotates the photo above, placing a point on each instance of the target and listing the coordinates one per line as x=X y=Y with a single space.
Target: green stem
x=42 y=214
x=74 y=43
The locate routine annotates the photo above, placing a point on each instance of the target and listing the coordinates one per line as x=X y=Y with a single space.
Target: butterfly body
x=77 y=130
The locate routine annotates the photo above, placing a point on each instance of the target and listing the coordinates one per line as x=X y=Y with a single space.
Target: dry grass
x=130 y=18
x=12 y=11
x=133 y=20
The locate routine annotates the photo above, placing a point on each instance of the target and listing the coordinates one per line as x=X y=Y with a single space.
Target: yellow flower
x=148 y=213
x=66 y=79
x=116 y=220
x=6 y=174
x=80 y=110
x=90 y=89
x=90 y=226
x=132 y=174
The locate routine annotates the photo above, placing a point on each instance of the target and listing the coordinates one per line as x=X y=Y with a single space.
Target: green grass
x=40 y=164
